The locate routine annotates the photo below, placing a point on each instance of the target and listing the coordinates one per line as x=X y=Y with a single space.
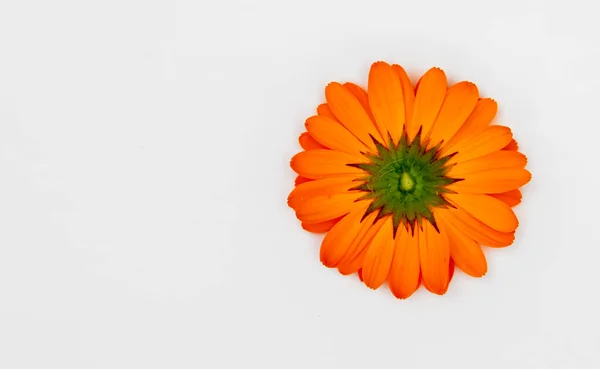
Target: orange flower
x=407 y=182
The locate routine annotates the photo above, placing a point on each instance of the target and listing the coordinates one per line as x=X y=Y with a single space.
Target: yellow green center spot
x=406 y=182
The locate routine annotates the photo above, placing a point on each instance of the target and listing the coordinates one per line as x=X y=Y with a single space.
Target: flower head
x=407 y=182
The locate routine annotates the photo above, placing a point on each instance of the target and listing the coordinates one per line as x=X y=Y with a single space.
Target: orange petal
x=458 y=104
x=321 y=227
x=309 y=143
x=465 y=252
x=434 y=253
x=351 y=114
x=323 y=208
x=478 y=231
x=495 y=160
x=378 y=260
x=492 y=139
x=354 y=265
x=404 y=273
x=492 y=181
x=319 y=187
x=362 y=97
x=353 y=260
x=512 y=145
x=487 y=209
x=340 y=238
x=484 y=112
x=408 y=93
x=451 y=268
x=428 y=101
x=300 y=180
x=325 y=111
x=321 y=163
x=386 y=100
x=510 y=198
x=333 y=135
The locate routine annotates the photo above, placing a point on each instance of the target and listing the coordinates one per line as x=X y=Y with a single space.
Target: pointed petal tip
x=379 y=63
x=403 y=295
x=332 y=85
x=439 y=290
x=437 y=70
x=326 y=263
x=472 y=87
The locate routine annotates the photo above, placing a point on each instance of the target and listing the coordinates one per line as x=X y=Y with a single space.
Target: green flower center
x=405 y=181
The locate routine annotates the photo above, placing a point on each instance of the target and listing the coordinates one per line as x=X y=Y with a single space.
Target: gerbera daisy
x=406 y=181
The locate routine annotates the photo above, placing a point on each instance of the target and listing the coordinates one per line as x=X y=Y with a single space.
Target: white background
x=144 y=150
